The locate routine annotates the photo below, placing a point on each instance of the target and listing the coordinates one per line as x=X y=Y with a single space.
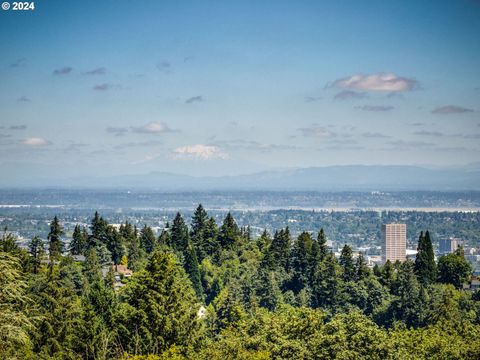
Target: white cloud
x=152 y=128
x=317 y=131
x=377 y=108
x=377 y=82
x=451 y=109
x=35 y=141
x=200 y=151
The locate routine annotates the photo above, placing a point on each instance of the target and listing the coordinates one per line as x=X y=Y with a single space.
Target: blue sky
x=224 y=87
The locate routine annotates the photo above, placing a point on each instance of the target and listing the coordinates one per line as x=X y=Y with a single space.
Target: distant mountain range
x=330 y=178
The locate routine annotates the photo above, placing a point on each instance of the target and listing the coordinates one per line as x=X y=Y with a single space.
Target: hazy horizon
x=215 y=89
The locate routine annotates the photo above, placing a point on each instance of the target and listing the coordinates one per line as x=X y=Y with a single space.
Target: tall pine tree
x=36 y=250
x=346 y=261
x=55 y=247
x=179 y=234
x=191 y=267
x=229 y=232
x=322 y=243
x=147 y=239
x=301 y=262
x=160 y=308
x=78 y=244
x=425 y=266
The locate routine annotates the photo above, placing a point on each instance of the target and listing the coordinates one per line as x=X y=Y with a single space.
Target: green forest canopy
x=271 y=297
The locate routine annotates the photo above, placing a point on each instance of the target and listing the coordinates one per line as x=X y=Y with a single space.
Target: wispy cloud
x=428 y=133
x=73 y=148
x=164 y=66
x=375 y=135
x=200 y=151
x=106 y=87
x=377 y=108
x=97 y=71
x=310 y=99
x=18 y=127
x=343 y=142
x=63 y=71
x=151 y=128
x=18 y=63
x=317 y=131
x=138 y=144
x=451 y=148
x=23 y=99
x=193 y=99
x=377 y=82
x=343 y=147
x=408 y=145
x=117 y=131
x=451 y=109
x=253 y=145
x=395 y=95
x=36 y=141
x=349 y=95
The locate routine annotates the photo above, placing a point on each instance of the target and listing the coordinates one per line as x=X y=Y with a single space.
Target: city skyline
x=209 y=88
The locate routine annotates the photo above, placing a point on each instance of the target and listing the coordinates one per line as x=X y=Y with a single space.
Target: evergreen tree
x=101 y=296
x=264 y=241
x=388 y=276
x=408 y=306
x=135 y=253
x=229 y=232
x=79 y=241
x=91 y=338
x=8 y=243
x=179 y=235
x=425 y=266
x=164 y=239
x=55 y=247
x=248 y=233
x=346 y=261
x=127 y=231
x=58 y=312
x=92 y=267
x=98 y=227
x=212 y=284
x=15 y=322
x=268 y=290
x=147 y=239
x=115 y=244
x=278 y=253
x=327 y=283
x=361 y=268
x=104 y=255
x=160 y=309
x=199 y=222
x=228 y=309
x=36 y=250
x=301 y=262
x=210 y=244
x=322 y=244
x=192 y=269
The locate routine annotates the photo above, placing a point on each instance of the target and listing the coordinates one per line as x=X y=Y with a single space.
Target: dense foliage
x=212 y=291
